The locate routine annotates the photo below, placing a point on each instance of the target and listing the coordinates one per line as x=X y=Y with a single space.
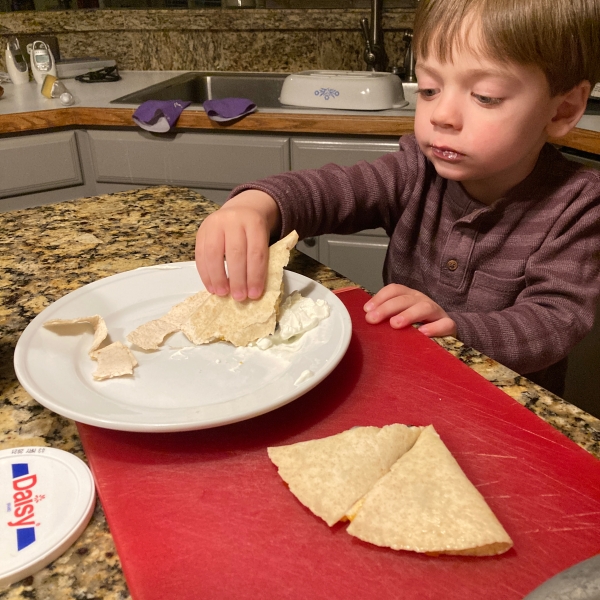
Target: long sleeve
x=336 y=199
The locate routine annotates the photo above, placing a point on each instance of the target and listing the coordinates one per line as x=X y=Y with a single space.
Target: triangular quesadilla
x=425 y=503
x=329 y=475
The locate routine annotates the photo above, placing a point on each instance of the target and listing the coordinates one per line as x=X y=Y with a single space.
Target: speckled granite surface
x=209 y=39
x=48 y=251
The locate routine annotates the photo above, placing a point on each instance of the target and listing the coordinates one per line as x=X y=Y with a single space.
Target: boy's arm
x=337 y=199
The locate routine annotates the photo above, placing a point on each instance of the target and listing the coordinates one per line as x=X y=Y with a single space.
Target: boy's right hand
x=239 y=232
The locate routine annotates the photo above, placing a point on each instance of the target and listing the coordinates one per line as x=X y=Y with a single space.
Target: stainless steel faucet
x=409 y=58
x=374 y=53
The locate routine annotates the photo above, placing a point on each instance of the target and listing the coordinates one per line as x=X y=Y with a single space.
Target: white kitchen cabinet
x=54 y=167
x=359 y=257
x=315 y=152
x=33 y=165
x=195 y=160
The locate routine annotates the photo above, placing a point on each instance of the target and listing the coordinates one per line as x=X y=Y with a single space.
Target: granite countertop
x=49 y=251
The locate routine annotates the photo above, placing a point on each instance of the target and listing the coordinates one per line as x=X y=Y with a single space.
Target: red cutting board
x=204 y=514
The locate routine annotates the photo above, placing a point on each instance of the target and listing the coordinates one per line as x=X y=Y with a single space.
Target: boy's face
x=482 y=122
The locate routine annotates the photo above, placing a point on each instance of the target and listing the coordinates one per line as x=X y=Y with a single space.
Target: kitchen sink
x=262 y=88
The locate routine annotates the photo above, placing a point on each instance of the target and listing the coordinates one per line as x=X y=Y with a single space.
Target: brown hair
x=561 y=37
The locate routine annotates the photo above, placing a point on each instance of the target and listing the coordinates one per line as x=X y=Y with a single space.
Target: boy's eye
x=487 y=100
x=427 y=92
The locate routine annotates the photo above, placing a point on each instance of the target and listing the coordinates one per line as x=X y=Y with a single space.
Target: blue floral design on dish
x=327 y=93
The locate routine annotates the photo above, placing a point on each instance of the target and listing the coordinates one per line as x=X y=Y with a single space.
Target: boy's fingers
x=257 y=262
x=213 y=254
x=202 y=263
x=440 y=328
x=388 y=309
x=386 y=293
x=236 y=257
x=423 y=311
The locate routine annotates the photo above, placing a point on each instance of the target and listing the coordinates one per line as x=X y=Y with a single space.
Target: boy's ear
x=569 y=110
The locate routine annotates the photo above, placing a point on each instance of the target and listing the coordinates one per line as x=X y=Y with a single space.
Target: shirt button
x=452 y=265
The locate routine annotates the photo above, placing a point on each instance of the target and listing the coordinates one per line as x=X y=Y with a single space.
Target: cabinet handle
x=310 y=241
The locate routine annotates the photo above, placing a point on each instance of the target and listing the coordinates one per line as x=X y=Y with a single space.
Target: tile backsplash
x=213 y=39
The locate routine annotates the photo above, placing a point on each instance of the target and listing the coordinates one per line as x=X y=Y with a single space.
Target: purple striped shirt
x=520 y=278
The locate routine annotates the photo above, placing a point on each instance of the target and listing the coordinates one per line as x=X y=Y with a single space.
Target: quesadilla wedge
x=425 y=503
x=329 y=475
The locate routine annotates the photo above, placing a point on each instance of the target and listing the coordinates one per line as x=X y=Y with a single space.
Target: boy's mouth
x=446 y=153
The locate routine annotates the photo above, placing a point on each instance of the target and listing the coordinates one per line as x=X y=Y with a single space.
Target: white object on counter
x=16 y=64
x=42 y=61
x=348 y=90
x=49 y=497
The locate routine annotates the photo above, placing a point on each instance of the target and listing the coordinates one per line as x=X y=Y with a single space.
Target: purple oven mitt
x=228 y=109
x=159 y=115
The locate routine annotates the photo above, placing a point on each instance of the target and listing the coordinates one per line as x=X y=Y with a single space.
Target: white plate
x=179 y=387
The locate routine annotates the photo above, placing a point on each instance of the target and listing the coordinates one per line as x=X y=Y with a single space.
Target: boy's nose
x=447 y=112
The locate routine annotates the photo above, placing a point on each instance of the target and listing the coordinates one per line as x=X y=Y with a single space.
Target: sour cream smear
x=297 y=315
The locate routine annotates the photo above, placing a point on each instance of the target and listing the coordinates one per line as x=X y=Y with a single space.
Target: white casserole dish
x=347 y=90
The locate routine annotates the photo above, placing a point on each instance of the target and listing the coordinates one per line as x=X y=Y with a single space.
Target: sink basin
x=262 y=88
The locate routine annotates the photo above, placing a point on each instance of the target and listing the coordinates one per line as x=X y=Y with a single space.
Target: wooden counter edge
x=373 y=125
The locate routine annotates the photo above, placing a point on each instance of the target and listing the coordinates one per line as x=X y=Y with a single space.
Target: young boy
x=494 y=236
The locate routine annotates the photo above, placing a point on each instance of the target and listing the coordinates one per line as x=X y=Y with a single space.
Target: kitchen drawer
x=211 y=160
x=36 y=163
x=312 y=153
x=358 y=257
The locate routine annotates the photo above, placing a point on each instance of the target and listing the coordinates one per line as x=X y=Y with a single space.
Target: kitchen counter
x=52 y=250
x=23 y=109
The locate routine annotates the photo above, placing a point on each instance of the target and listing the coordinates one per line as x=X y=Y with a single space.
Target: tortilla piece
x=151 y=335
x=426 y=504
x=96 y=321
x=223 y=318
x=330 y=474
x=114 y=360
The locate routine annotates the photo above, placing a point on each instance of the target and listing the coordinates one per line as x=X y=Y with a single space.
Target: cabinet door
x=358 y=257
x=36 y=163
x=198 y=160
x=312 y=153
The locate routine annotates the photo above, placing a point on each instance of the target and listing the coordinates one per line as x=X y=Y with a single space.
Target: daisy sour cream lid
x=47 y=498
